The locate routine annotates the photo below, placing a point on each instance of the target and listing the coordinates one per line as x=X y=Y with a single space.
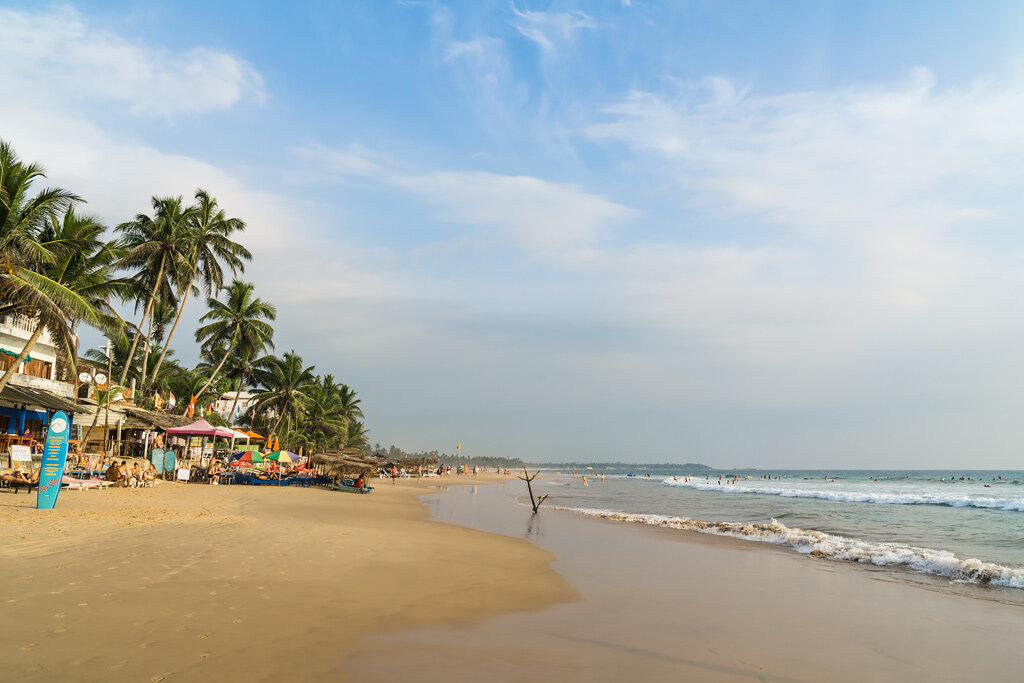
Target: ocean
x=966 y=526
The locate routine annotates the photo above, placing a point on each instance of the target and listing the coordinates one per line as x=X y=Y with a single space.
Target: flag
x=458 y=446
x=170 y=401
x=192 y=406
x=158 y=401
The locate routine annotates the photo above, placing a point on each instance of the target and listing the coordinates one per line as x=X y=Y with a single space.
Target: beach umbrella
x=248 y=457
x=280 y=456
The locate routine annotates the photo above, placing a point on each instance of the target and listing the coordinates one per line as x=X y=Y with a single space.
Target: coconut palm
x=155 y=244
x=211 y=245
x=357 y=435
x=285 y=381
x=25 y=287
x=239 y=321
x=322 y=422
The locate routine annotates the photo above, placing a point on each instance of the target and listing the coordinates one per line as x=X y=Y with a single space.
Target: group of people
x=121 y=474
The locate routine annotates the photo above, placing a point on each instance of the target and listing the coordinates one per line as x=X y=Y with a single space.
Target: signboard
x=157 y=458
x=168 y=460
x=55 y=453
x=21 y=454
x=183 y=474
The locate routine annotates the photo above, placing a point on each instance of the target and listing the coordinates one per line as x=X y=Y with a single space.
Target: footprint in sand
x=236 y=621
x=204 y=635
x=58 y=630
x=157 y=679
x=145 y=645
x=29 y=647
x=120 y=665
x=59 y=615
x=83 y=604
x=204 y=655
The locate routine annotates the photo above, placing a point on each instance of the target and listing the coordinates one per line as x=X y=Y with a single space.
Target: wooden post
x=535 y=503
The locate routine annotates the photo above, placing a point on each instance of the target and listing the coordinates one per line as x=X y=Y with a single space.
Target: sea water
x=966 y=526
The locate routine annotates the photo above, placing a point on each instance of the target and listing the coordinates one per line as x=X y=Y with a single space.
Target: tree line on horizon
x=60 y=270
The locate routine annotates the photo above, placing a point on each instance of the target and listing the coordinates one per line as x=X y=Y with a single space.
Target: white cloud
x=59 y=56
x=526 y=211
x=878 y=175
x=549 y=30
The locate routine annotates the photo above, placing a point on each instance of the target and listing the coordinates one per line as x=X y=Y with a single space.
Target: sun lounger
x=349 y=486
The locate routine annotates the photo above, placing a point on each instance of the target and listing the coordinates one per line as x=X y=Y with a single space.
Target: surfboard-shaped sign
x=157 y=458
x=55 y=453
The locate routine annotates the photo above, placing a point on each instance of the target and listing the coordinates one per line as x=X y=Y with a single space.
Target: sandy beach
x=195 y=582
x=190 y=582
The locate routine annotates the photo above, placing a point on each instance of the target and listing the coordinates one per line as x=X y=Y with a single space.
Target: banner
x=55 y=453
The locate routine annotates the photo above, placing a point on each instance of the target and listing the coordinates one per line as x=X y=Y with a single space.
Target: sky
x=745 y=234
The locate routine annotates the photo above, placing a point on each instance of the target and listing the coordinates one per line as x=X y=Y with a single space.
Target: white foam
x=858 y=492
x=820 y=544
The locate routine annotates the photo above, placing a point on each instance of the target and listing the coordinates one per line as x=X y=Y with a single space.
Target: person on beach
x=419 y=472
x=113 y=473
x=394 y=474
x=135 y=478
x=359 y=481
x=18 y=479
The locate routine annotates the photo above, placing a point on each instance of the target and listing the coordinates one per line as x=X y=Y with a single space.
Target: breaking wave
x=829 y=546
x=883 y=497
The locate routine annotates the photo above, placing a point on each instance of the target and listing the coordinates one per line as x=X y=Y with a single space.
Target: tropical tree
x=284 y=383
x=157 y=245
x=210 y=246
x=238 y=322
x=357 y=436
x=28 y=266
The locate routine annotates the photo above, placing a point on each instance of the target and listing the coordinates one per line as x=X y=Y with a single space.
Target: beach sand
x=194 y=582
x=664 y=605
x=189 y=583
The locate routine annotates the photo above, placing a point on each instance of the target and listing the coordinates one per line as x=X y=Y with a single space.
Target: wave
x=859 y=496
x=833 y=547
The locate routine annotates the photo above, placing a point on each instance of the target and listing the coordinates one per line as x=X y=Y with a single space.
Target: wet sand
x=196 y=583
x=665 y=605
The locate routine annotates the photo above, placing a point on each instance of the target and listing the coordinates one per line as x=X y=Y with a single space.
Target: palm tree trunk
x=235 y=404
x=279 y=421
x=145 y=353
x=21 y=356
x=95 y=419
x=149 y=308
x=215 y=372
x=181 y=310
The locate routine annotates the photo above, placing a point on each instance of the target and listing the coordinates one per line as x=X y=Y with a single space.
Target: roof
x=139 y=418
x=202 y=428
x=21 y=395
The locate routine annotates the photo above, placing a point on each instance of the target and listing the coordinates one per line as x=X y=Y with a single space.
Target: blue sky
x=770 y=234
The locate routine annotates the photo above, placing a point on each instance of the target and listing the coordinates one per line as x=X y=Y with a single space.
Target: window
x=38 y=368
x=6 y=361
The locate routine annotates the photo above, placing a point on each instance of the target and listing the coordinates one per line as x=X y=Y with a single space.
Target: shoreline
x=189 y=582
x=659 y=605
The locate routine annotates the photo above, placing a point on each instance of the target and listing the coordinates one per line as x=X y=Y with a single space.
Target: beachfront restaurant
x=25 y=414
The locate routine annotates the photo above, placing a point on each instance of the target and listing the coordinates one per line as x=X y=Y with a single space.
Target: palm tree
x=211 y=244
x=157 y=244
x=24 y=288
x=84 y=264
x=240 y=321
x=357 y=435
x=348 y=404
x=322 y=422
x=285 y=381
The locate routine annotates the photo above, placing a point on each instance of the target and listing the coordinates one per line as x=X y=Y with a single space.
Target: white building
x=223 y=404
x=14 y=332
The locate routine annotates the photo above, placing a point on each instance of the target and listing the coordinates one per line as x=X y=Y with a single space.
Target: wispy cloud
x=59 y=54
x=524 y=210
x=549 y=30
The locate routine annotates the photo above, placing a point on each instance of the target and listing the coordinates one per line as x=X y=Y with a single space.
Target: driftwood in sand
x=528 y=479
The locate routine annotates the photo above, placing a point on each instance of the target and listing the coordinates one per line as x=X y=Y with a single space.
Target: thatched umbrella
x=342 y=464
